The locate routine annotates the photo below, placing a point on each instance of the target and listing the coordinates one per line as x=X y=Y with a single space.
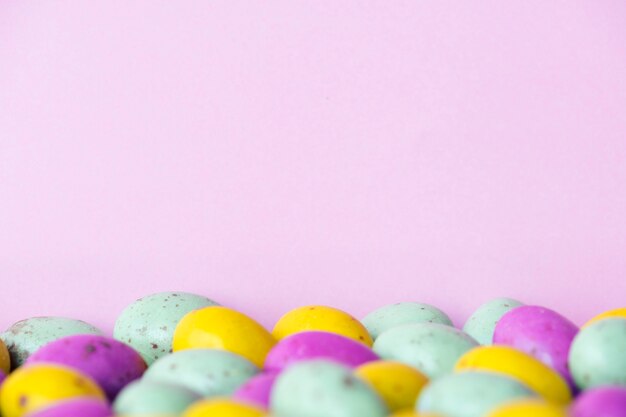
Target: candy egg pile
x=179 y=354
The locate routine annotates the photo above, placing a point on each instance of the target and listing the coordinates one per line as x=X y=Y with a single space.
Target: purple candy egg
x=2 y=377
x=257 y=390
x=540 y=332
x=601 y=402
x=78 y=407
x=318 y=345
x=111 y=363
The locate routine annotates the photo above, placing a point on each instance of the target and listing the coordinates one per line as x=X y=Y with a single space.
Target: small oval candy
x=223 y=407
x=321 y=318
x=519 y=365
x=397 y=384
x=597 y=356
x=322 y=388
x=540 y=332
x=26 y=336
x=318 y=345
x=482 y=323
x=601 y=402
x=398 y=314
x=34 y=387
x=209 y=372
x=146 y=398
x=148 y=324
x=530 y=408
x=431 y=348
x=257 y=390
x=112 y=364
x=5 y=359
x=223 y=328
x=470 y=394
x=411 y=413
x=616 y=313
x=81 y=407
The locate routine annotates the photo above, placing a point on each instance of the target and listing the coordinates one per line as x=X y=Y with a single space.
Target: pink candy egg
x=78 y=407
x=601 y=402
x=257 y=390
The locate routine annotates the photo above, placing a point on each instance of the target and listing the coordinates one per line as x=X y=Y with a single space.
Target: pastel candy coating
x=540 y=332
x=209 y=372
x=398 y=314
x=148 y=324
x=257 y=390
x=598 y=354
x=431 y=348
x=112 y=364
x=322 y=388
x=142 y=398
x=223 y=407
x=26 y=336
x=618 y=312
x=470 y=394
x=482 y=323
x=608 y=401
x=530 y=408
x=82 y=407
x=318 y=345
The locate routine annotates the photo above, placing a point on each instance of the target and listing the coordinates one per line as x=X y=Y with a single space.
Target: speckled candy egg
x=318 y=345
x=398 y=314
x=598 y=354
x=601 y=402
x=148 y=324
x=145 y=398
x=111 y=363
x=470 y=394
x=82 y=407
x=540 y=332
x=431 y=348
x=322 y=388
x=257 y=389
x=27 y=336
x=209 y=372
x=482 y=323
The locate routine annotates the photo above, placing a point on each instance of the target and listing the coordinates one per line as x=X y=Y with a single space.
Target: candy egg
x=209 y=372
x=398 y=314
x=148 y=324
x=616 y=313
x=223 y=328
x=112 y=364
x=601 y=402
x=81 y=407
x=519 y=365
x=411 y=413
x=5 y=359
x=257 y=389
x=529 y=408
x=470 y=394
x=431 y=348
x=482 y=323
x=321 y=318
x=397 y=384
x=27 y=336
x=540 y=332
x=322 y=388
x=318 y=345
x=223 y=407
x=598 y=354
x=34 y=387
x=146 y=398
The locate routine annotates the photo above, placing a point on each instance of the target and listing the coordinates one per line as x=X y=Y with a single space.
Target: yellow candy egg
x=519 y=365
x=321 y=318
x=618 y=312
x=223 y=407
x=220 y=327
x=397 y=384
x=5 y=359
x=34 y=387
x=529 y=408
x=411 y=413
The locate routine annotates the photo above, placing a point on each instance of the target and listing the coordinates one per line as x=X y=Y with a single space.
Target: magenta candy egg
x=78 y=407
x=111 y=363
x=257 y=390
x=318 y=345
x=601 y=402
x=2 y=377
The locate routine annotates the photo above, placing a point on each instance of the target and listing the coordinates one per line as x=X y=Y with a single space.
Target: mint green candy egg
x=399 y=314
x=143 y=398
x=482 y=323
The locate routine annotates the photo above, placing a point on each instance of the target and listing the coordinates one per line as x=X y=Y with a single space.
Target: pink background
x=353 y=153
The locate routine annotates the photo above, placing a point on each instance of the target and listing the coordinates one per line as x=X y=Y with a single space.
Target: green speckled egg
x=432 y=348
x=321 y=388
x=470 y=394
x=26 y=336
x=209 y=372
x=149 y=398
x=598 y=354
x=482 y=323
x=148 y=324
x=398 y=314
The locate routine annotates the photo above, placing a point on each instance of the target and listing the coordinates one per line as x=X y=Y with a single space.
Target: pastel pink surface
x=76 y=407
x=274 y=154
x=258 y=389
